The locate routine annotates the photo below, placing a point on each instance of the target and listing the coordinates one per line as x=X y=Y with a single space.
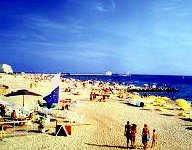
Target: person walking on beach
x=154 y=138
x=127 y=132
x=133 y=134
x=145 y=136
x=91 y=96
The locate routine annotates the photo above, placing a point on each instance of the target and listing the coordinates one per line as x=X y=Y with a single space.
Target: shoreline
x=103 y=121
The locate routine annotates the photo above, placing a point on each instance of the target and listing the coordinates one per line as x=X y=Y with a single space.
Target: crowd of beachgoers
x=97 y=110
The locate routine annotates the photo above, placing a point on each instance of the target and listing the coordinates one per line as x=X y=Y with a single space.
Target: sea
x=182 y=83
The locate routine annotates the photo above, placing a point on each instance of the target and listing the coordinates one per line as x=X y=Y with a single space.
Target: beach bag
x=124 y=133
x=148 y=138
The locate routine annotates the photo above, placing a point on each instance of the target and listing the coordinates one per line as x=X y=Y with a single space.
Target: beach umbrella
x=22 y=92
x=165 y=98
x=152 y=96
x=136 y=97
x=160 y=100
x=181 y=102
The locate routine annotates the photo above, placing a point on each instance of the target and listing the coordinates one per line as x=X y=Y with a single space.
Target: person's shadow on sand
x=113 y=146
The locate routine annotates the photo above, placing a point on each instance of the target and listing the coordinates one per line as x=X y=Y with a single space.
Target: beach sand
x=103 y=126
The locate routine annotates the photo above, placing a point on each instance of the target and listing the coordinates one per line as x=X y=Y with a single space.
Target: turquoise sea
x=182 y=83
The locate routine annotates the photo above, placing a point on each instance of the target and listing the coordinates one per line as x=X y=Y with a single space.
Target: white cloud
x=105 y=6
x=42 y=23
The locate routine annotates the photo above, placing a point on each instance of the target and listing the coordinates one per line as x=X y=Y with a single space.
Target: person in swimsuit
x=133 y=134
x=154 y=138
x=13 y=115
x=145 y=136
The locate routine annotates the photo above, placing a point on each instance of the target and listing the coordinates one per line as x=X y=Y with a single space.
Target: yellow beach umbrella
x=169 y=106
x=160 y=100
x=165 y=98
x=136 y=97
x=152 y=97
x=181 y=102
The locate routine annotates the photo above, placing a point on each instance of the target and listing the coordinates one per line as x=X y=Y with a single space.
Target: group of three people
x=130 y=133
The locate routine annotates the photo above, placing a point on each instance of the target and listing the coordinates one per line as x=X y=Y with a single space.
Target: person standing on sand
x=127 y=132
x=145 y=136
x=154 y=138
x=91 y=96
x=133 y=134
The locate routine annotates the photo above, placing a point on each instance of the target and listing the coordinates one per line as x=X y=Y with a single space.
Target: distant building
x=4 y=68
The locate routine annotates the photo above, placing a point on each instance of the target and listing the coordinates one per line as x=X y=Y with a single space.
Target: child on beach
x=154 y=138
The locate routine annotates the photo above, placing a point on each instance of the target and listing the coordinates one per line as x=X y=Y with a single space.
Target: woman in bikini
x=133 y=134
x=145 y=136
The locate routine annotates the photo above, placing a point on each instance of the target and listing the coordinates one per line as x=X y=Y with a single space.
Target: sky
x=94 y=36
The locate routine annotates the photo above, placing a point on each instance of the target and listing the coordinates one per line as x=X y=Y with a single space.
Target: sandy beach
x=103 y=125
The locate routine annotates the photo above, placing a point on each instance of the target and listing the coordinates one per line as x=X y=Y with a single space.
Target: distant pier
x=80 y=74
x=161 y=89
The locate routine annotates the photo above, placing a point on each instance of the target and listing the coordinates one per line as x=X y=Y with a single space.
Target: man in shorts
x=128 y=132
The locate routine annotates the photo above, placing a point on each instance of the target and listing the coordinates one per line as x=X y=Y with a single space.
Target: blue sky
x=94 y=36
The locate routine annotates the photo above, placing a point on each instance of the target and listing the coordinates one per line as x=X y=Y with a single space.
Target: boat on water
x=126 y=74
x=108 y=73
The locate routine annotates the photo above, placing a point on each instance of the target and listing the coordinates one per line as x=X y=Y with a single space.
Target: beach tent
x=22 y=92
